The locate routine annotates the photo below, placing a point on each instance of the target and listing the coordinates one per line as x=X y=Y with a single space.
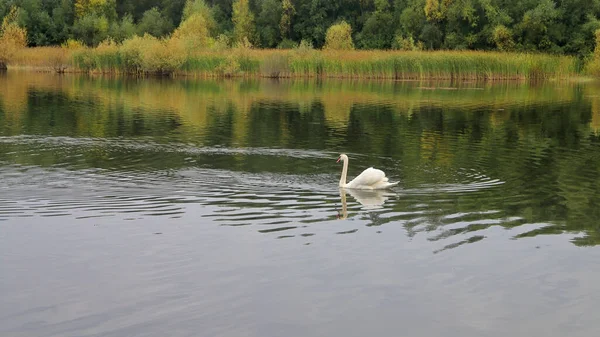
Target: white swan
x=369 y=179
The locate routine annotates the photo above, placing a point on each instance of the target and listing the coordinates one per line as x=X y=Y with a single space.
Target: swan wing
x=368 y=179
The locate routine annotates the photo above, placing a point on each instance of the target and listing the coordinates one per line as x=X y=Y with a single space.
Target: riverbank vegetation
x=143 y=55
x=414 y=39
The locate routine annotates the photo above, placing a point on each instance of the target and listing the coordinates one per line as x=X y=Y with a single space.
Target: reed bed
x=141 y=57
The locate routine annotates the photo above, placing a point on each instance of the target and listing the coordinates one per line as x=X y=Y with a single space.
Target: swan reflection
x=369 y=199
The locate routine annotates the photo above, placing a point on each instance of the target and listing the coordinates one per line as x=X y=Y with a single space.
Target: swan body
x=369 y=179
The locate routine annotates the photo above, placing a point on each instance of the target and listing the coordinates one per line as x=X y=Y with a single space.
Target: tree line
x=559 y=27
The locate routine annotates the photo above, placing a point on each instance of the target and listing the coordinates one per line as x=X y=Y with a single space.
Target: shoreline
x=174 y=76
x=306 y=64
x=184 y=75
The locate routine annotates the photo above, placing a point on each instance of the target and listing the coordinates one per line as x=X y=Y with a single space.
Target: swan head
x=342 y=157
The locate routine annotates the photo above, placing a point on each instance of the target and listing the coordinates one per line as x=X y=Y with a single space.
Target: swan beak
x=337 y=161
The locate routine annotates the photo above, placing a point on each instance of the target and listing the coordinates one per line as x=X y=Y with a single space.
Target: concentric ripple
x=276 y=204
x=470 y=162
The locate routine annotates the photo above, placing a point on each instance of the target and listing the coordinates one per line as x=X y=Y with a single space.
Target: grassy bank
x=141 y=57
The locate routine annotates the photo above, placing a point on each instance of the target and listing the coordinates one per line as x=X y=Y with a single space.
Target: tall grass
x=148 y=55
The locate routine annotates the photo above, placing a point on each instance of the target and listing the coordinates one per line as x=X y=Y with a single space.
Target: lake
x=189 y=207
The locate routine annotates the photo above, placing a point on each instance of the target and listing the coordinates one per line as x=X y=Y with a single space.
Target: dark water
x=211 y=208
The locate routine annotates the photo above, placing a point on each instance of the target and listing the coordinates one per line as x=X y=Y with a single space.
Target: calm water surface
x=211 y=208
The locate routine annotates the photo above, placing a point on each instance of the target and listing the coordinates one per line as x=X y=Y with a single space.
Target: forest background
x=192 y=28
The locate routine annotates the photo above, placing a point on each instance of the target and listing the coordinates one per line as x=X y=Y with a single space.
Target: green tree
x=196 y=29
x=285 y=24
x=268 y=20
x=503 y=38
x=534 y=27
x=99 y=8
x=91 y=29
x=154 y=23
x=125 y=29
x=222 y=14
x=313 y=20
x=40 y=26
x=243 y=21
x=411 y=20
x=48 y=22
x=377 y=32
x=63 y=16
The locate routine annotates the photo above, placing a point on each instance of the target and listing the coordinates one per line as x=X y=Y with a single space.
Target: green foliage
x=557 y=27
x=229 y=67
x=431 y=36
x=503 y=38
x=287 y=12
x=119 y=31
x=91 y=29
x=377 y=33
x=131 y=55
x=534 y=27
x=195 y=7
x=339 y=37
x=243 y=21
x=137 y=55
x=99 y=8
x=287 y=44
x=268 y=20
x=222 y=42
x=195 y=32
x=154 y=23
x=200 y=8
x=406 y=44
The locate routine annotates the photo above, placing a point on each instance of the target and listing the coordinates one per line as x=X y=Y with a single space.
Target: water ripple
x=272 y=202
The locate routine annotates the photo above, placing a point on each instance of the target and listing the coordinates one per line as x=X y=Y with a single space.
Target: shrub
x=222 y=42
x=287 y=44
x=339 y=37
x=131 y=55
x=228 y=67
x=406 y=44
x=593 y=66
x=503 y=39
x=107 y=57
x=194 y=33
x=72 y=44
x=12 y=37
x=162 y=56
x=84 y=59
x=275 y=65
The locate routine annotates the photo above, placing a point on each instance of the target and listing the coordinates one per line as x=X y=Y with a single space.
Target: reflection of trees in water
x=543 y=144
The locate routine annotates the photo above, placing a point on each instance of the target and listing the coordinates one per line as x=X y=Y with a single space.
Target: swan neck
x=344 y=173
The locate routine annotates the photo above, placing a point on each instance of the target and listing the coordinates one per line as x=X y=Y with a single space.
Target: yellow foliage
x=99 y=7
x=339 y=37
x=593 y=67
x=72 y=44
x=12 y=37
x=243 y=21
x=194 y=33
x=435 y=10
x=157 y=55
x=199 y=7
